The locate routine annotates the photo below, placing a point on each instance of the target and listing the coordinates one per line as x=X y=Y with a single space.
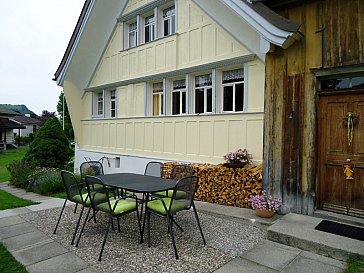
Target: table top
x=137 y=182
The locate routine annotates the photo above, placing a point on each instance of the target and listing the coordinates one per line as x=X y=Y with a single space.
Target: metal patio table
x=138 y=183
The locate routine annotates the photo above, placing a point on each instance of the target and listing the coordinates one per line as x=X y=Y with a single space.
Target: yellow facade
x=199 y=40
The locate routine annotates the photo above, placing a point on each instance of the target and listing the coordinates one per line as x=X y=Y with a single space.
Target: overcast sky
x=34 y=35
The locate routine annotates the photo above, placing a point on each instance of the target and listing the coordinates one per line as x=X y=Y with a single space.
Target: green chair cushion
x=77 y=199
x=121 y=207
x=169 y=193
x=157 y=205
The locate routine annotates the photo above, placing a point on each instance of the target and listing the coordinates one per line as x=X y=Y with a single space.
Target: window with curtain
x=149 y=27
x=233 y=90
x=203 y=94
x=100 y=103
x=158 y=107
x=169 y=21
x=133 y=34
x=112 y=104
x=179 y=97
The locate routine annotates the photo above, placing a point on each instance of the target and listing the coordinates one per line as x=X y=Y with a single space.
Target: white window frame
x=233 y=84
x=152 y=28
x=97 y=98
x=180 y=91
x=135 y=32
x=171 y=19
x=205 y=88
x=113 y=100
x=161 y=99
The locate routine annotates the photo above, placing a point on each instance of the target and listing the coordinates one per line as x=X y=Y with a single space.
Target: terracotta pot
x=264 y=213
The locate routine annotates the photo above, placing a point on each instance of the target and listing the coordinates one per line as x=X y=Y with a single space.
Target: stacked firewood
x=223 y=185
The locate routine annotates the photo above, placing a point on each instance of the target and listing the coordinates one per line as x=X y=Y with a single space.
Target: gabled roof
x=24 y=120
x=5 y=123
x=98 y=19
x=7 y=112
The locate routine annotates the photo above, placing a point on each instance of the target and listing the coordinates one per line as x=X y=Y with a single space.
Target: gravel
x=225 y=239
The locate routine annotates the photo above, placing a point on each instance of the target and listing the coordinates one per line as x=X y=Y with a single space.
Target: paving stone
x=305 y=265
x=9 y=221
x=323 y=259
x=88 y=270
x=239 y=265
x=39 y=253
x=67 y=262
x=272 y=255
x=15 y=230
x=26 y=240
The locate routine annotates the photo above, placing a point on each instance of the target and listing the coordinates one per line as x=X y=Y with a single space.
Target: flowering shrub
x=240 y=156
x=264 y=201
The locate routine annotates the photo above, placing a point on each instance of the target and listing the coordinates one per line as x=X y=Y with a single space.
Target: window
x=233 y=90
x=100 y=104
x=343 y=83
x=169 y=21
x=112 y=104
x=179 y=97
x=158 y=106
x=203 y=94
x=133 y=34
x=149 y=28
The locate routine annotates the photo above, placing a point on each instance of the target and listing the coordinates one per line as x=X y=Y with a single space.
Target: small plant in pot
x=237 y=159
x=265 y=205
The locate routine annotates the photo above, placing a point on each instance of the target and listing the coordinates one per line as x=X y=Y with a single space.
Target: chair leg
x=106 y=233
x=59 y=218
x=174 y=221
x=139 y=224
x=83 y=226
x=169 y=223
x=75 y=208
x=148 y=222
x=118 y=224
x=77 y=225
x=198 y=222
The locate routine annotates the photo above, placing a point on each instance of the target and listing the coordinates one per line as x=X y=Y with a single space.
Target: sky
x=34 y=35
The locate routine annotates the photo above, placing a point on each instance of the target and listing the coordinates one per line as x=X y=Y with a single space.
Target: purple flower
x=238 y=156
x=264 y=201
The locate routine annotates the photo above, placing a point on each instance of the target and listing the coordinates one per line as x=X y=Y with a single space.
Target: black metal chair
x=75 y=193
x=154 y=168
x=101 y=201
x=167 y=207
x=91 y=168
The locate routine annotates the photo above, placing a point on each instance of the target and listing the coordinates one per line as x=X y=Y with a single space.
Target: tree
x=65 y=117
x=50 y=147
x=46 y=115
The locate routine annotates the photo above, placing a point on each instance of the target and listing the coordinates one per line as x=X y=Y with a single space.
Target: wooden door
x=341 y=142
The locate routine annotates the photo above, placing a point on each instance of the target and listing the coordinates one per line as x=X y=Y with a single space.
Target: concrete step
x=350 y=220
x=299 y=231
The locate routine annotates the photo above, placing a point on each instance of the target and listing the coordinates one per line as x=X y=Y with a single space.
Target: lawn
x=355 y=265
x=9 y=201
x=8 y=264
x=7 y=157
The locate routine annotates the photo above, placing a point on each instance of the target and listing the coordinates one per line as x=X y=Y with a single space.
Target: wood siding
x=333 y=37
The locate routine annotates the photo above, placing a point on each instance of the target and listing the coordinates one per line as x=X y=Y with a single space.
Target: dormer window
x=149 y=29
x=133 y=34
x=169 y=21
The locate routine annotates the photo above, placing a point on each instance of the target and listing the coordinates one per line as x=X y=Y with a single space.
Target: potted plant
x=265 y=205
x=237 y=159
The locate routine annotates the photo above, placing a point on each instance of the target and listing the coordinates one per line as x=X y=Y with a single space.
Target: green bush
x=50 y=147
x=46 y=181
x=20 y=172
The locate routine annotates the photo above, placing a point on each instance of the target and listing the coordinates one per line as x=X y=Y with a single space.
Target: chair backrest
x=154 y=168
x=71 y=185
x=185 y=189
x=97 y=191
x=91 y=168
x=181 y=170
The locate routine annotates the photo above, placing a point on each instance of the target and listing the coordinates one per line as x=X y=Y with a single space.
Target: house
x=169 y=80
x=31 y=125
x=314 y=109
x=6 y=129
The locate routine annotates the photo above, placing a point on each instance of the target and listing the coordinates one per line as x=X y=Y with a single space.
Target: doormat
x=349 y=231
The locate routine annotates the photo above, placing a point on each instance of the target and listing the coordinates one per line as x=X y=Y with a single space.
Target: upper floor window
x=133 y=34
x=100 y=104
x=149 y=28
x=179 y=97
x=343 y=83
x=158 y=107
x=233 y=90
x=203 y=94
x=112 y=104
x=169 y=21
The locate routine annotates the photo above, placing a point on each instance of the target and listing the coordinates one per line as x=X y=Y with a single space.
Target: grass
x=59 y=195
x=355 y=265
x=9 y=201
x=7 y=157
x=8 y=264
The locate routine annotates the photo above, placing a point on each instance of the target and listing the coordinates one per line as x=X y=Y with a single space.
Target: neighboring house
x=31 y=125
x=6 y=129
x=314 y=123
x=169 y=80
